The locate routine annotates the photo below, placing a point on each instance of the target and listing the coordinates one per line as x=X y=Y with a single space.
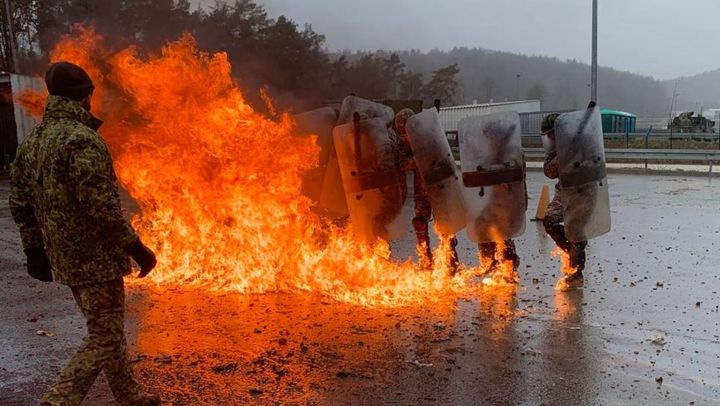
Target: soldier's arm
x=22 y=209
x=551 y=167
x=92 y=173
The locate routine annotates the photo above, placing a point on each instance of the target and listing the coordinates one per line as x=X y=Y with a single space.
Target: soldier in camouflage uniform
x=423 y=211
x=64 y=199
x=553 y=220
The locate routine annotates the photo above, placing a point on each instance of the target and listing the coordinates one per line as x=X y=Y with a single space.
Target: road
x=645 y=329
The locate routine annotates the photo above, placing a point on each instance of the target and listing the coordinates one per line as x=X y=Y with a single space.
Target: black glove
x=143 y=256
x=38 y=264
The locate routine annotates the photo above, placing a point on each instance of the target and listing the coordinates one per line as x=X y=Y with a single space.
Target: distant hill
x=491 y=75
x=696 y=92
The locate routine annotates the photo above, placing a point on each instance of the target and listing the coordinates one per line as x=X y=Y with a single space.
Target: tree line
x=278 y=53
x=292 y=62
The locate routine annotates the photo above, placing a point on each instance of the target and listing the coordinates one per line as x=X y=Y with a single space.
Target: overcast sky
x=661 y=38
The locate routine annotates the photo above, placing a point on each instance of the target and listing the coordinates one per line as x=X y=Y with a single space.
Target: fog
x=664 y=39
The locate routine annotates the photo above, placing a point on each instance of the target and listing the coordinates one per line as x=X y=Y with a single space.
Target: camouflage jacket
x=402 y=153
x=64 y=197
x=551 y=167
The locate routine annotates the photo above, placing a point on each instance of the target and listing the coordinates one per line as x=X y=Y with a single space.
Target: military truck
x=688 y=122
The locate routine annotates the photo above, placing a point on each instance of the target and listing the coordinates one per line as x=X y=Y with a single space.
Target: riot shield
x=371 y=182
x=494 y=176
x=332 y=194
x=366 y=109
x=436 y=165
x=319 y=122
x=583 y=179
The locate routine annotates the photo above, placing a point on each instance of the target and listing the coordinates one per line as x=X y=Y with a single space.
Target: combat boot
x=570 y=282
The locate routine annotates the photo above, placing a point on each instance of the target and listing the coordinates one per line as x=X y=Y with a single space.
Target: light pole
x=593 y=90
x=517 y=86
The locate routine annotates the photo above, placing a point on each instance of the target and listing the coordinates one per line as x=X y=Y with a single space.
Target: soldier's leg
x=423 y=211
x=510 y=254
x=103 y=348
x=454 y=260
x=487 y=255
x=553 y=223
x=577 y=255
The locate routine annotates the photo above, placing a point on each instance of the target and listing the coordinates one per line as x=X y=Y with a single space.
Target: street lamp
x=594 y=68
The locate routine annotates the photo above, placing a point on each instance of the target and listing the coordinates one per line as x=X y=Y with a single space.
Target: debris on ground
x=45 y=333
x=163 y=358
x=658 y=340
x=225 y=368
x=419 y=364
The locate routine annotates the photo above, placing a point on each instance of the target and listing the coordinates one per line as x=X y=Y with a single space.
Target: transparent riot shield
x=493 y=172
x=436 y=165
x=372 y=184
x=332 y=200
x=319 y=122
x=366 y=109
x=583 y=179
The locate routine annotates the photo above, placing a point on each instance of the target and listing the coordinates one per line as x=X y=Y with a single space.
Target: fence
x=694 y=149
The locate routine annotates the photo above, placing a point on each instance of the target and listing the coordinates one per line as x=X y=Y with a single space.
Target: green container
x=618 y=122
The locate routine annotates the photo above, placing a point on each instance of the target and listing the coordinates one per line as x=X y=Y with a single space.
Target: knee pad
x=420 y=222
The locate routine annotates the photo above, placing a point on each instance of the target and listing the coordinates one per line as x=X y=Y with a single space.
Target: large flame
x=218 y=184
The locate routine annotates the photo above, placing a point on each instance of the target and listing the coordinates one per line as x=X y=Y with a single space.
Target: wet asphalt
x=645 y=330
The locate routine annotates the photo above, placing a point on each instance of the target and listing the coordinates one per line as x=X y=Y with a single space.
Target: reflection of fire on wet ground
x=210 y=348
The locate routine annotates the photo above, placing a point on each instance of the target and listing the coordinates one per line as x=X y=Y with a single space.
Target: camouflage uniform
x=553 y=220
x=405 y=162
x=488 y=252
x=64 y=197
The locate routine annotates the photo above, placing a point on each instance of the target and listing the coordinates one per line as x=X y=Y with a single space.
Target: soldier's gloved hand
x=143 y=256
x=38 y=264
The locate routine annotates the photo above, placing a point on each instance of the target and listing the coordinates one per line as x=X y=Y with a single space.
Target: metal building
x=451 y=116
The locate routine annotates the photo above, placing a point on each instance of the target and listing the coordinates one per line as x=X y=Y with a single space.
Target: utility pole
x=593 y=90
x=11 y=33
x=517 y=87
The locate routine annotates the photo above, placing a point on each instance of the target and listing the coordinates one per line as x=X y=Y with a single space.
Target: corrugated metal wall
x=23 y=121
x=450 y=116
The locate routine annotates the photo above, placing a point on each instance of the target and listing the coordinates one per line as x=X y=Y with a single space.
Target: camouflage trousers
x=553 y=223
x=422 y=208
x=488 y=251
x=104 y=349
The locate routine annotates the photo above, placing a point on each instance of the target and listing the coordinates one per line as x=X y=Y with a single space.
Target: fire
x=566 y=268
x=218 y=185
x=504 y=274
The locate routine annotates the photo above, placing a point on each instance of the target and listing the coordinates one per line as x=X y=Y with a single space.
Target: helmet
x=401 y=118
x=548 y=123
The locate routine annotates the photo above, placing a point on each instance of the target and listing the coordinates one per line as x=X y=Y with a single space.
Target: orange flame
x=218 y=184
x=565 y=260
x=503 y=274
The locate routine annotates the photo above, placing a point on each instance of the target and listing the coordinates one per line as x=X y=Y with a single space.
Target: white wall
x=23 y=121
x=450 y=116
